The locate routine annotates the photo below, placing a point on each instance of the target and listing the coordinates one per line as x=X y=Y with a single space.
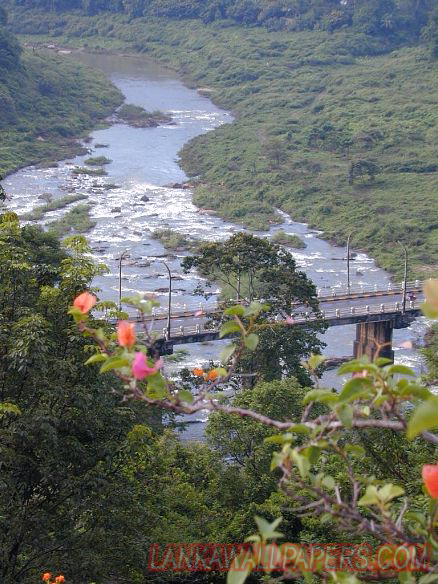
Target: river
x=144 y=160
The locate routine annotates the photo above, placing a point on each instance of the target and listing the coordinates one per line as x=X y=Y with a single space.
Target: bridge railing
x=207 y=307
x=329 y=315
x=391 y=287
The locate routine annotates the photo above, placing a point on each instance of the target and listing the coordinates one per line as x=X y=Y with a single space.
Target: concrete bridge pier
x=374 y=339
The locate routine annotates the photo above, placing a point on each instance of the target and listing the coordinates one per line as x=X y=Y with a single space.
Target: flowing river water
x=144 y=161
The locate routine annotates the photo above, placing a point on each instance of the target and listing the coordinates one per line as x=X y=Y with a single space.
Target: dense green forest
x=45 y=103
x=402 y=18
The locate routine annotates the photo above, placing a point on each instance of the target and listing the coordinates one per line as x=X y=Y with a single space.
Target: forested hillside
x=396 y=18
x=45 y=102
x=335 y=111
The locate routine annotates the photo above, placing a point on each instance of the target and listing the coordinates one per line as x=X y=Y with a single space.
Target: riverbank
x=58 y=102
x=307 y=106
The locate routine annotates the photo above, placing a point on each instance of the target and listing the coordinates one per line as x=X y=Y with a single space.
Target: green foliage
x=38 y=213
x=45 y=102
x=375 y=17
x=138 y=117
x=173 y=240
x=76 y=220
x=249 y=268
x=283 y=238
x=78 y=170
x=97 y=161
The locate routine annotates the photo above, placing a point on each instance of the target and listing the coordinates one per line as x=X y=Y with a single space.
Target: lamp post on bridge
x=169 y=305
x=123 y=255
x=405 y=280
x=348 y=262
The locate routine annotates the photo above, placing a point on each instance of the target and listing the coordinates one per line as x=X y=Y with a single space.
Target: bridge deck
x=196 y=333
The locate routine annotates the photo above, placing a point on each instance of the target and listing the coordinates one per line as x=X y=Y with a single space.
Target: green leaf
x=302 y=463
x=382 y=361
x=320 y=395
x=299 y=429
x=255 y=308
x=157 y=387
x=97 y=358
x=251 y=341
x=415 y=390
x=345 y=414
x=344 y=578
x=402 y=369
x=238 y=575
x=356 y=367
x=406 y=578
x=114 y=363
x=429 y=311
x=266 y=529
x=238 y=310
x=427 y=579
x=226 y=353
x=229 y=327
x=278 y=439
x=328 y=482
x=370 y=497
x=355 y=388
x=185 y=396
x=424 y=418
x=314 y=361
x=389 y=492
x=312 y=453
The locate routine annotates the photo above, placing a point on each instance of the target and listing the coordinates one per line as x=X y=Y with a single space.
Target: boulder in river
x=116 y=210
x=145 y=199
x=177 y=185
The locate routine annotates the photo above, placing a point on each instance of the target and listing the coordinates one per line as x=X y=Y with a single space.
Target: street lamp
x=405 y=280
x=348 y=262
x=169 y=306
x=123 y=255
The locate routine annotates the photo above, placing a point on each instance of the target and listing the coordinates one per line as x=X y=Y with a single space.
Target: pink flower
x=85 y=302
x=289 y=320
x=140 y=367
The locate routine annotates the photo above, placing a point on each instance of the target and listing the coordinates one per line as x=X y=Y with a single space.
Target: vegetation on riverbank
x=138 y=117
x=77 y=220
x=46 y=103
x=97 y=161
x=81 y=170
x=288 y=240
x=37 y=213
x=175 y=241
x=310 y=106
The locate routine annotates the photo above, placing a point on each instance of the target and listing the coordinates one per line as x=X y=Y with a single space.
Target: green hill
x=336 y=125
x=45 y=103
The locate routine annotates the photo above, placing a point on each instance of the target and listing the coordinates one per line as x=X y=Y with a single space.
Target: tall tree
x=249 y=267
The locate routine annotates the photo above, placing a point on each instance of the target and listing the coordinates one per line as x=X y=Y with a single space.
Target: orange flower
x=126 y=334
x=85 y=302
x=212 y=375
x=197 y=371
x=430 y=479
x=59 y=579
x=46 y=576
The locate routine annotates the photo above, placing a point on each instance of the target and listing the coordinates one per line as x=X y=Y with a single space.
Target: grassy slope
x=320 y=101
x=55 y=101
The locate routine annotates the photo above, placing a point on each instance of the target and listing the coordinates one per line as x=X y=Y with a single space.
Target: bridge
x=375 y=311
